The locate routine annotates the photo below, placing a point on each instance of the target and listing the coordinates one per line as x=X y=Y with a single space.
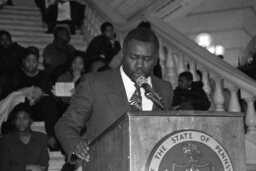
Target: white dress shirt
x=129 y=85
x=64 y=11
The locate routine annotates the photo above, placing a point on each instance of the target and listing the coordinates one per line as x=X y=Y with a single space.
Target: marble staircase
x=26 y=29
x=25 y=26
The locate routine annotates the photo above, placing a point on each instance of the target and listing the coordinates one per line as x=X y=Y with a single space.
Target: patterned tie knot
x=136 y=99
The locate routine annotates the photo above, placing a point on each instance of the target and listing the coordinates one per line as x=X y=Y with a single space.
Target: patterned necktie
x=136 y=100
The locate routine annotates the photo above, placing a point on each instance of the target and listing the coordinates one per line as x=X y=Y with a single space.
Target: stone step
x=24 y=13
x=19 y=17
x=41 y=39
x=20 y=22
x=17 y=27
x=57 y=159
x=26 y=33
x=77 y=43
x=21 y=8
x=41 y=46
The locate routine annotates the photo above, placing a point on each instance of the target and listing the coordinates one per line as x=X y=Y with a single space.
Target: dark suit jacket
x=99 y=101
x=76 y=10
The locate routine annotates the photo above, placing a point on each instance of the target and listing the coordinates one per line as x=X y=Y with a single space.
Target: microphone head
x=141 y=80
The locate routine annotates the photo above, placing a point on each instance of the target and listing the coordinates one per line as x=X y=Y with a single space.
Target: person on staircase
x=10 y=58
x=23 y=149
x=56 y=54
x=45 y=107
x=76 y=69
x=104 y=46
x=66 y=12
x=190 y=95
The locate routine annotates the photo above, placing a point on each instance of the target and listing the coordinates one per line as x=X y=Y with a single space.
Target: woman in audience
x=45 y=108
x=73 y=75
x=23 y=149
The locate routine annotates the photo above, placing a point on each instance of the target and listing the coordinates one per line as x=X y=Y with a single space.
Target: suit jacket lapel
x=116 y=93
x=158 y=90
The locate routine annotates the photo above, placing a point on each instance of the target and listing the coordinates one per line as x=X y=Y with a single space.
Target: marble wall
x=231 y=23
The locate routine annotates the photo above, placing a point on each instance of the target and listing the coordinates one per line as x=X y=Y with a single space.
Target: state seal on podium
x=188 y=150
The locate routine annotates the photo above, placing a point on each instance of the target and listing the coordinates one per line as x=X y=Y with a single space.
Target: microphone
x=149 y=92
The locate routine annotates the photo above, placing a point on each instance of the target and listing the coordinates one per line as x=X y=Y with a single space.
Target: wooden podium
x=171 y=141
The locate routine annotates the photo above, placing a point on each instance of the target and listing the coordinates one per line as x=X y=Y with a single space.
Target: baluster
x=162 y=60
x=218 y=95
x=171 y=68
x=121 y=39
x=234 y=105
x=181 y=65
x=192 y=69
x=176 y=58
x=206 y=81
x=250 y=118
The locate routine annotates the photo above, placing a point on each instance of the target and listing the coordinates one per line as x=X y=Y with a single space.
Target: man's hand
x=82 y=151
x=32 y=167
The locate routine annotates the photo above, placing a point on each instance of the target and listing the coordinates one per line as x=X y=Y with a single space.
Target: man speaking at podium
x=101 y=98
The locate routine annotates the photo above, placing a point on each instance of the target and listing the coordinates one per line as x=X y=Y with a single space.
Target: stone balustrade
x=174 y=62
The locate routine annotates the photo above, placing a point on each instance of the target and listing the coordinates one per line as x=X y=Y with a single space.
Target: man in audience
x=23 y=149
x=45 y=108
x=102 y=97
x=190 y=95
x=104 y=46
x=56 y=54
x=10 y=57
x=65 y=12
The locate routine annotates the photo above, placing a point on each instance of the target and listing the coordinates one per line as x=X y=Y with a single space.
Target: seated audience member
x=56 y=54
x=65 y=12
x=23 y=149
x=100 y=64
x=10 y=57
x=74 y=73
x=7 y=104
x=45 y=108
x=190 y=95
x=104 y=46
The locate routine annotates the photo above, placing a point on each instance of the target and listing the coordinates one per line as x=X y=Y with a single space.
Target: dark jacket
x=11 y=58
x=193 y=98
x=15 y=155
x=99 y=101
x=100 y=47
x=77 y=13
x=20 y=80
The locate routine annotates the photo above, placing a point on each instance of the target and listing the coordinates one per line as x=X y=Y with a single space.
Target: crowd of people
x=58 y=12
x=63 y=63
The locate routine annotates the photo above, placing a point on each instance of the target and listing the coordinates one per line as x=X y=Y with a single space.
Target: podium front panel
x=187 y=143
